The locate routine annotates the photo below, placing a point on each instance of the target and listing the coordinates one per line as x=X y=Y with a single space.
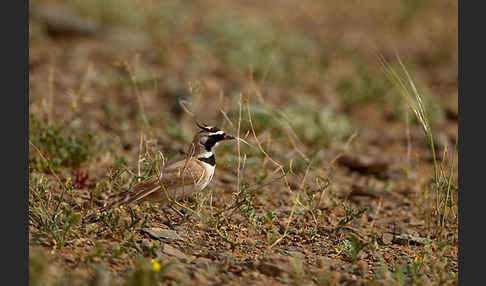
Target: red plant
x=80 y=180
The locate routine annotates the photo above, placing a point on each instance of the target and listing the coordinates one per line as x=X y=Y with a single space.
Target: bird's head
x=209 y=137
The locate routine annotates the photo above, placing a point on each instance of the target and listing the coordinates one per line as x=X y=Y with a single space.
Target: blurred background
x=295 y=52
x=92 y=63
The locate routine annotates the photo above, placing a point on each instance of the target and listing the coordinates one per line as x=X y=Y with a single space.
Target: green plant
x=315 y=124
x=442 y=181
x=51 y=215
x=361 y=87
x=303 y=121
x=352 y=246
x=58 y=225
x=350 y=215
x=244 y=43
x=38 y=268
x=111 y=219
x=430 y=267
x=61 y=150
x=148 y=273
x=402 y=274
x=134 y=220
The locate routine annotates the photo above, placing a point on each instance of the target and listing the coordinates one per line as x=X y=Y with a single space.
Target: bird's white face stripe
x=217 y=133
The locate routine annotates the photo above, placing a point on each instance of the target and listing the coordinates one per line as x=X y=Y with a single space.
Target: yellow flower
x=417 y=260
x=155 y=265
x=68 y=180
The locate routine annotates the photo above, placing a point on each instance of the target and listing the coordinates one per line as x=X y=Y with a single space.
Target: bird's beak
x=228 y=137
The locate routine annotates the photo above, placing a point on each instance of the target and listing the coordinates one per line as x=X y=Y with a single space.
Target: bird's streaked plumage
x=182 y=178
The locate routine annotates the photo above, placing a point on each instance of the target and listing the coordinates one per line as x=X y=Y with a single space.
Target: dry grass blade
x=238 y=146
x=48 y=165
x=140 y=159
x=292 y=136
x=255 y=87
x=346 y=147
x=286 y=227
x=242 y=140
x=50 y=94
x=280 y=166
x=64 y=187
x=225 y=116
x=131 y=72
x=409 y=92
x=183 y=104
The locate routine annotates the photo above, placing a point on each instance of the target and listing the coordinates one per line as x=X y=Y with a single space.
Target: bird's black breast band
x=211 y=161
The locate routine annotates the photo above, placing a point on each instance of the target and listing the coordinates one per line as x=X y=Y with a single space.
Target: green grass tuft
x=61 y=150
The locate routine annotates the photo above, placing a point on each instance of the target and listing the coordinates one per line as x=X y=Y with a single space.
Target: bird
x=182 y=178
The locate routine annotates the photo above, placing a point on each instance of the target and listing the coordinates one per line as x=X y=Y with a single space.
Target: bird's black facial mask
x=212 y=135
x=212 y=139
